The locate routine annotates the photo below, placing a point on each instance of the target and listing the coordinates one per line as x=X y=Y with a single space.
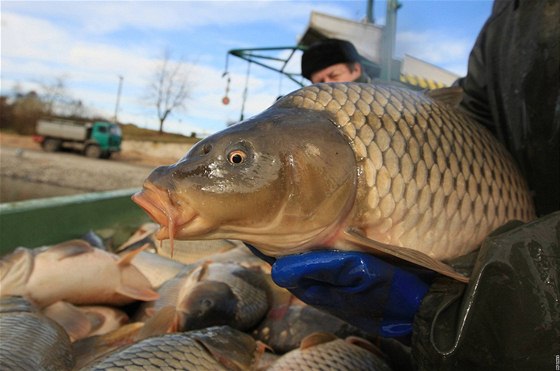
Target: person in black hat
x=332 y=60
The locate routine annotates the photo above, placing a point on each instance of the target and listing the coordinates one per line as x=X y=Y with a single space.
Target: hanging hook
x=245 y=90
x=225 y=99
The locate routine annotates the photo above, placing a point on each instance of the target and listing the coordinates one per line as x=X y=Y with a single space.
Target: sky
x=90 y=45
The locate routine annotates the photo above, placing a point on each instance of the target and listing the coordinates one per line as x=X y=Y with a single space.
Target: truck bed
x=62 y=129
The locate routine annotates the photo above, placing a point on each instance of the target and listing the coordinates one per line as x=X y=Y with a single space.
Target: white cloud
x=109 y=16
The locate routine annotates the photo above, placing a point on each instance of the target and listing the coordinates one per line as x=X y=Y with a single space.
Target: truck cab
x=106 y=136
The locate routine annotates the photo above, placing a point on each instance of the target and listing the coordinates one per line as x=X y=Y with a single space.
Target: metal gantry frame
x=255 y=55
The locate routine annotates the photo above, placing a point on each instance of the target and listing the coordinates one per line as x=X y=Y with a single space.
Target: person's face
x=337 y=73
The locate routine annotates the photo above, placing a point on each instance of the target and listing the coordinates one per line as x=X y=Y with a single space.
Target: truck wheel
x=106 y=155
x=93 y=151
x=51 y=145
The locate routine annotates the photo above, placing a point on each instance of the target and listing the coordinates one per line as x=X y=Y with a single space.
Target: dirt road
x=21 y=159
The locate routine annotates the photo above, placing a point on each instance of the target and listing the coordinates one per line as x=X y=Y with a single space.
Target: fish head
x=210 y=303
x=282 y=179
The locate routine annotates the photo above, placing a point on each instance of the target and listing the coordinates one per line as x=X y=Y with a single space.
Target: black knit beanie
x=325 y=53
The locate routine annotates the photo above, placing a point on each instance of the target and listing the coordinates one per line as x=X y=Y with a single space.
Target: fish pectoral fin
x=143 y=294
x=74 y=321
x=161 y=322
x=403 y=253
x=316 y=338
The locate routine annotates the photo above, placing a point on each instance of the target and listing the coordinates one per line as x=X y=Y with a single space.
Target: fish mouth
x=159 y=206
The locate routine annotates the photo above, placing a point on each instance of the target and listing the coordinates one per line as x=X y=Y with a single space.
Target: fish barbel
x=348 y=166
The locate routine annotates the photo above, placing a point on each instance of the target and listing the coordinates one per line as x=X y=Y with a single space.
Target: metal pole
x=389 y=36
x=118 y=97
x=369 y=12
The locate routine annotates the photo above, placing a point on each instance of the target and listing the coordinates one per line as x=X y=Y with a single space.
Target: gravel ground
x=24 y=165
x=70 y=170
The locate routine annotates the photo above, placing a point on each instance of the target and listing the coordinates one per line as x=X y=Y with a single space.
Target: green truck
x=98 y=139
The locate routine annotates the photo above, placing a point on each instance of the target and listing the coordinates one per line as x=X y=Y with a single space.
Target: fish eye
x=236 y=157
x=207 y=303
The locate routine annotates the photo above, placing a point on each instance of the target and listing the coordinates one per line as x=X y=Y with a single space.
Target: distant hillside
x=133 y=132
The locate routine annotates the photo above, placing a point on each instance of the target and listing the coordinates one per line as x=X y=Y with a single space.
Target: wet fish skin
x=214 y=294
x=29 y=340
x=321 y=351
x=393 y=172
x=214 y=348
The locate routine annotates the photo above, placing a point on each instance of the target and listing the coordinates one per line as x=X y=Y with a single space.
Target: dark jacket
x=513 y=88
x=508 y=316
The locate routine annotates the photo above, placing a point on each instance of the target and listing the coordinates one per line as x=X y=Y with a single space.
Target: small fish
x=323 y=351
x=286 y=325
x=347 y=166
x=214 y=348
x=214 y=294
x=30 y=340
x=75 y=272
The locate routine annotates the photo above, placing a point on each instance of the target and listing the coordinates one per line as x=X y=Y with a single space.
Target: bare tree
x=169 y=88
x=53 y=94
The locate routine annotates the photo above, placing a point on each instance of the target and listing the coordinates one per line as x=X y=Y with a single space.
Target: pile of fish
x=350 y=166
x=73 y=306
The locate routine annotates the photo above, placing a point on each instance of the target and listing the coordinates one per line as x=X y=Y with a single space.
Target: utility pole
x=118 y=97
x=388 y=40
x=369 y=12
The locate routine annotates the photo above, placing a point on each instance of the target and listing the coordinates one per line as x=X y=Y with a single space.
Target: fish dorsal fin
x=15 y=270
x=126 y=259
x=451 y=95
x=70 y=249
x=403 y=253
x=316 y=338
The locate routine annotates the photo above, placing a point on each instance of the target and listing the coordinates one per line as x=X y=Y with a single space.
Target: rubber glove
x=359 y=288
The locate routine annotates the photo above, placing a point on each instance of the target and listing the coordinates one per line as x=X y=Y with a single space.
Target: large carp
x=347 y=166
